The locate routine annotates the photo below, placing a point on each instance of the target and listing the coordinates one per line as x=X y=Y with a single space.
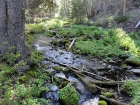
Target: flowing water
x=113 y=70
x=64 y=57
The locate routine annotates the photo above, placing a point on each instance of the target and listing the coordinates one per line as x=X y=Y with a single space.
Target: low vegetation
x=68 y=96
x=25 y=88
x=133 y=89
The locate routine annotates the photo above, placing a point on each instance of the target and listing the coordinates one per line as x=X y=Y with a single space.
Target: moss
x=102 y=102
x=133 y=61
x=32 y=73
x=66 y=70
x=65 y=83
x=107 y=94
x=68 y=96
x=24 y=78
x=57 y=68
x=67 y=44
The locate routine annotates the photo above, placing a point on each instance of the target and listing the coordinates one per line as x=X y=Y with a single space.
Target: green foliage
x=35 y=28
x=78 y=5
x=133 y=89
x=30 y=38
x=68 y=96
x=36 y=57
x=16 y=93
x=56 y=23
x=10 y=56
x=57 y=68
x=133 y=61
x=121 y=19
x=137 y=5
x=102 y=102
x=109 y=43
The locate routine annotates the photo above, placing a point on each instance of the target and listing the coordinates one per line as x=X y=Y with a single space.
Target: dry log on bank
x=112 y=101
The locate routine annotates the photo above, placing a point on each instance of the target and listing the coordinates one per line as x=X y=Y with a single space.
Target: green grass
x=133 y=89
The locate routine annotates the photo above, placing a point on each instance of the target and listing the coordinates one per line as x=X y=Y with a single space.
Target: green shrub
x=121 y=19
x=35 y=28
x=68 y=96
x=137 y=4
x=36 y=57
x=133 y=89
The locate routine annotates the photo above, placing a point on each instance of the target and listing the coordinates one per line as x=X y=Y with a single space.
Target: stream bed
x=53 y=53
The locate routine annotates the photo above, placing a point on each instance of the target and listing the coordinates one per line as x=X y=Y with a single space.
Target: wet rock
x=61 y=75
x=80 y=87
x=88 y=99
x=54 y=88
x=136 y=71
x=129 y=67
x=104 y=64
x=111 y=61
x=51 y=71
x=23 y=69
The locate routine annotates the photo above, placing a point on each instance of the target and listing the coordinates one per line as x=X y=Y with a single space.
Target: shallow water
x=58 y=55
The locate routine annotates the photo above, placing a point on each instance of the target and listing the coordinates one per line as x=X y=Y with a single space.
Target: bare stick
x=72 y=43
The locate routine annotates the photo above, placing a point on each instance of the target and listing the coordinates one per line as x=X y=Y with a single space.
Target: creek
x=57 y=54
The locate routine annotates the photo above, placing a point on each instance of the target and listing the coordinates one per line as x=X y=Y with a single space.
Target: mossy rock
x=57 y=68
x=132 y=62
x=107 y=94
x=68 y=96
x=102 y=102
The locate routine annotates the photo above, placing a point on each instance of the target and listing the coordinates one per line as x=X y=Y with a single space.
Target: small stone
x=54 y=88
x=137 y=71
x=111 y=61
x=129 y=67
x=104 y=64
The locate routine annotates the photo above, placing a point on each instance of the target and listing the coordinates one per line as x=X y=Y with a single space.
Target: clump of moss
x=24 y=78
x=102 y=102
x=57 y=68
x=68 y=96
x=107 y=94
x=133 y=61
x=132 y=88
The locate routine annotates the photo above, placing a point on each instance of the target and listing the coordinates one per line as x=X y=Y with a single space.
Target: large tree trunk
x=12 y=24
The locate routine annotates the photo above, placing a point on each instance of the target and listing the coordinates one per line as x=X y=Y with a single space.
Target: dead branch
x=112 y=101
x=72 y=43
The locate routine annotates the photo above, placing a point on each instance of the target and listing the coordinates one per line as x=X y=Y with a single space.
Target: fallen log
x=86 y=80
x=82 y=71
x=112 y=101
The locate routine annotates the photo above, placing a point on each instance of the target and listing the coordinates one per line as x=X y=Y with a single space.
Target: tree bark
x=12 y=24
